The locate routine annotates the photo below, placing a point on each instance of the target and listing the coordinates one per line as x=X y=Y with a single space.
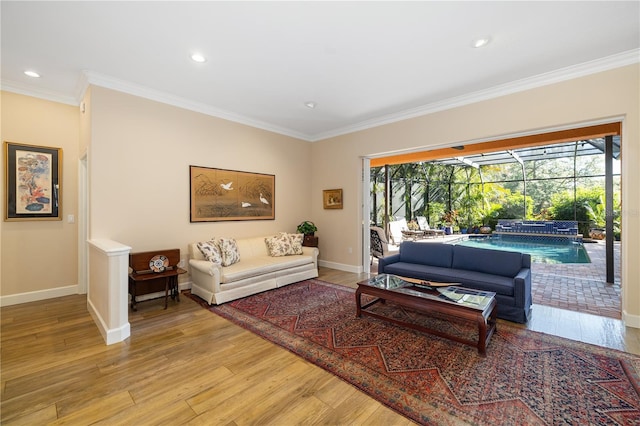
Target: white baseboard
x=34 y=296
x=631 y=320
x=182 y=286
x=110 y=336
x=340 y=266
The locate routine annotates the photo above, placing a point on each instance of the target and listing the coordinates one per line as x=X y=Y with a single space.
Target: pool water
x=551 y=251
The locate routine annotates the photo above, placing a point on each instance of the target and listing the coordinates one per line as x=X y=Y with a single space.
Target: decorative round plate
x=158 y=263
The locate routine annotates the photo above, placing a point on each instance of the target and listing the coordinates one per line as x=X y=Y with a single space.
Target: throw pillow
x=278 y=245
x=229 y=251
x=284 y=244
x=210 y=251
x=296 y=243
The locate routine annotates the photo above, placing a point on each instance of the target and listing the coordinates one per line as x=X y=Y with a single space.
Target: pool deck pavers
x=580 y=287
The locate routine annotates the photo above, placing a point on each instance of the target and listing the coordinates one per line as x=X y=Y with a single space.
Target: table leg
x=132 y=292
x=176 y=288
x=167 y=282
x=358 y=304
x=482 y=335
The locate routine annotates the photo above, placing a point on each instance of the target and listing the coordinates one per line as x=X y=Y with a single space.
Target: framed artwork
x=219 y=194
x=33 y=182
x=332 y=198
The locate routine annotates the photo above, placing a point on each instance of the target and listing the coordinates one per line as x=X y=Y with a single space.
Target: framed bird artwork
x=220 y=194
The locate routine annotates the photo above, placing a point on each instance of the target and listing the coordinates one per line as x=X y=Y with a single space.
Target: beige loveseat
x=256 y=271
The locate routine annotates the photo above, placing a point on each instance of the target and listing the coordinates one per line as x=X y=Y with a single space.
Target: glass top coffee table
x=452 y=300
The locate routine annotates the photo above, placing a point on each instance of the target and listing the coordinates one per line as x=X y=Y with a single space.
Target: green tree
x=589 y=208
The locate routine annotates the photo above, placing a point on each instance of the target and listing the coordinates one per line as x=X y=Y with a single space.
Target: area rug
x=526 y=378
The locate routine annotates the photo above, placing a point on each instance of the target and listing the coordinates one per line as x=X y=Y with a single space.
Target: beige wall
x=139 y=159
x=38 y=256
x=600 y=97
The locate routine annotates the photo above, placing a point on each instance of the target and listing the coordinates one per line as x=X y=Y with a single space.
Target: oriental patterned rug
x=527 y=378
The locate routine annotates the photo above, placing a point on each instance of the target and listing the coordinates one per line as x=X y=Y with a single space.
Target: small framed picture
x=332 y=198
x=33 y=182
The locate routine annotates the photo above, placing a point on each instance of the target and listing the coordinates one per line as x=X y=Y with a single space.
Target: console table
x=154 y=271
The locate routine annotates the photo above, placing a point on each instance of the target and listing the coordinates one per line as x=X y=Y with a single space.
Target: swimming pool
x=541 y=251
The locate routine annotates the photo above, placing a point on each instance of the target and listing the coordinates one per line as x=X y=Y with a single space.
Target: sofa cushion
x=497 y=262
x=210 y=250
x=229 y=251
x=420 y=271
x=260 y=265
x=483 y=281
x=434 y=254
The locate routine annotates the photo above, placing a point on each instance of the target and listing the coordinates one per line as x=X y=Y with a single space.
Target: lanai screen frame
x=521 y=156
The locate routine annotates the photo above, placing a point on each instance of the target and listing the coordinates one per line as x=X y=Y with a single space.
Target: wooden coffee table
x=454 y=301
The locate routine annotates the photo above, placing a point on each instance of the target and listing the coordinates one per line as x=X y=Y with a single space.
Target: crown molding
x=30 y=90
x=592 y=67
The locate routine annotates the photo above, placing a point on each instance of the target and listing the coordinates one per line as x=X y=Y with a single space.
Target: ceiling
x=362 y=63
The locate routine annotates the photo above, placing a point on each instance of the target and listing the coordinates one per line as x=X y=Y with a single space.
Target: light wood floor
x=188 y=366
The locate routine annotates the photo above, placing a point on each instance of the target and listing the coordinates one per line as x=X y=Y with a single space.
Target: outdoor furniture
x=426 y=229
x=395 y=230
x=412 y=235
x=378 y=246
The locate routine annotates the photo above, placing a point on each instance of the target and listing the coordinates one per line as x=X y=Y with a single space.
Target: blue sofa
x=508 y=274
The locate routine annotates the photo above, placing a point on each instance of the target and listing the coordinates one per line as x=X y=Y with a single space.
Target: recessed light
x=310 y=104
x=481 y=41
x=32 y=74
x=198 y=57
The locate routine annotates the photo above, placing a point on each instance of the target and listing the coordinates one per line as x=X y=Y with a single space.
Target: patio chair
x=395 y=230
x=424 y=227
x=379 y=246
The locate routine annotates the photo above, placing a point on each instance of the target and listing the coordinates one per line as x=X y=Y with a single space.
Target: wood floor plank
x=152 y=412
x=43 y=416
x=335 y=391
x=358 y=409
x=291 y=400
x=97 y=409
x=257 y=377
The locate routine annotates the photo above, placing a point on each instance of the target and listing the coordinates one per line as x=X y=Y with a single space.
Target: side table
x=310 y=241
x=153 y=271
x=137 y=287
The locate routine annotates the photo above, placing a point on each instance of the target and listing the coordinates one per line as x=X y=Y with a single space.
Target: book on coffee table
x=465 y=296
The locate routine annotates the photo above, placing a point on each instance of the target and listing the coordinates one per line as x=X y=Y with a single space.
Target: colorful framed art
x=33 y=182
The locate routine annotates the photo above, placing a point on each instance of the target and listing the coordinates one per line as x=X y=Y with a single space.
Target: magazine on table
x=465 y=296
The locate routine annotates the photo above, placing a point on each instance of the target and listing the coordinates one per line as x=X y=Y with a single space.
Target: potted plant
x=307 y=228
x=449 y=218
